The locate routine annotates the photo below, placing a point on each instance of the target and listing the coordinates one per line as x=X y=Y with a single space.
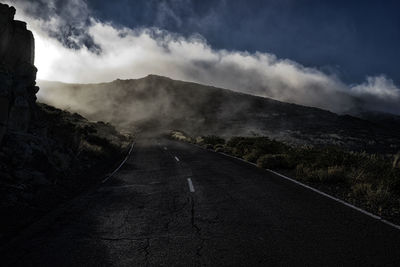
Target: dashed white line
x=176 y=158
x=191 y=187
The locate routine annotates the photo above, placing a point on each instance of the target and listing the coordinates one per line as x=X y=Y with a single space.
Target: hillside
x=60 y=155
x=160 y=103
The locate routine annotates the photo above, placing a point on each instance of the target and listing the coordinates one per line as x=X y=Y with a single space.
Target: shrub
x=308 y=174
x=396 y=161
x=209 y=146
x=267 y=146
x=241 y=146
x=271 y=161
x=213 y=140
x=361 y=190
x=393 y=181
x=234 y=141
x=335 y=174
x=218 y=146
x=220 y=149
x=227 y=150
x=379 y=198
x=300 y=171
x=375 y=197
x=252 y=156
x=199 y=140
x=180 y=136
x=330 y=175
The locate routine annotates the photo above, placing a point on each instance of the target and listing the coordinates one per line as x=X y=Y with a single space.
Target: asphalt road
x=173 y=204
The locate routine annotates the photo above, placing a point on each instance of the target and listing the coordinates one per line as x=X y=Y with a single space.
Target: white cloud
x=379 y=86
x=128 y=53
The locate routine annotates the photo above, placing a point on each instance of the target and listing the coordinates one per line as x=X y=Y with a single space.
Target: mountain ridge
x=160 y=103
x=358 y=114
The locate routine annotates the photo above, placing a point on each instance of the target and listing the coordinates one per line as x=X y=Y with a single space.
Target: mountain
x=156 y=103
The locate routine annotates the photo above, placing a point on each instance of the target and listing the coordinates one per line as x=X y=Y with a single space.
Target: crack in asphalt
x=145 y=248
x=196 y=227
x=120 y=238
x=193 y=215
x=146 y=251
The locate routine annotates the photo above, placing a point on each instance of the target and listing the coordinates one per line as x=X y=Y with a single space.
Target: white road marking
x=326 y=195
x=191 y=187
x=176 y=158
x=119 y=167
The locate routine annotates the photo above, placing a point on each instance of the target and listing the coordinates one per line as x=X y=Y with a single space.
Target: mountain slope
x=160 y=103
x=59 y=156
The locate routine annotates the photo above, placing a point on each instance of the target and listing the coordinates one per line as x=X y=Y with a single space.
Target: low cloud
x=93 y=51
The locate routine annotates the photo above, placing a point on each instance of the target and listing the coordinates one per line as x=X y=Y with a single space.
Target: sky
x=352 y=38
x=317 y=53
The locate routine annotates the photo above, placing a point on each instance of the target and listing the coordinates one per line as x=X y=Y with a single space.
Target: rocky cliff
x=46 y=155
x=17 y=73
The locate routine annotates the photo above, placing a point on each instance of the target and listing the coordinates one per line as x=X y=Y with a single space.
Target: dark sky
x=350 y=38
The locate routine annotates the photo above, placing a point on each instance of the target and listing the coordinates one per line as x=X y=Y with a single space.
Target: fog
x=98 y=51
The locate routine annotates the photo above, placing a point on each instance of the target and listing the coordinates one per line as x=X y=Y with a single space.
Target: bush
x=271 y=161
x=361 y=190
x=181 y=136
x=308 y=174
x=227 y=150
x=218 y=146
x=199 y=140
x=209 y=146
x=336 y=174
x=213 y=140
x=219 y=149
x=252 y=156
x=396 y=161
x=240 y=146
x=330 y=175
x=378 y=198
x=393 y=181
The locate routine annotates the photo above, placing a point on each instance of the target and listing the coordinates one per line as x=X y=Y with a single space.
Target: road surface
x=174 y=204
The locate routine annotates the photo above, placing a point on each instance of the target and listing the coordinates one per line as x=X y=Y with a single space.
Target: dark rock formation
x=46 y=155
x=17 y=73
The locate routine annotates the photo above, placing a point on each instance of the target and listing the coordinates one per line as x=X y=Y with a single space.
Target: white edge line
x=176 y=158
x=326 y=195
x=119 y=167
x=376 y=217
x=191 y=187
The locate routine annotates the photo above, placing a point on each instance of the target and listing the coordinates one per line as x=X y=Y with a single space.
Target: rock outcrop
x=47 y=155
x=17 y=73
